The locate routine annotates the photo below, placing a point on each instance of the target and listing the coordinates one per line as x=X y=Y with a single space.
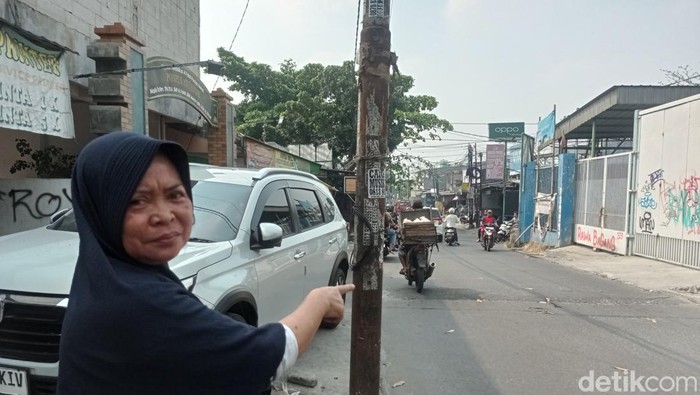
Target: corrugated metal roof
x=613 y=110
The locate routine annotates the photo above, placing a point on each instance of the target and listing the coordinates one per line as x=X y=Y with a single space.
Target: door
x=280 y=270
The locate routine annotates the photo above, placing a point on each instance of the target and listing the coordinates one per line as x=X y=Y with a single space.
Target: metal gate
x=601 y=206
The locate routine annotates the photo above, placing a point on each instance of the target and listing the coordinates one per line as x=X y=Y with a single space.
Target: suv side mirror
x=58 y=215
x=268 y=235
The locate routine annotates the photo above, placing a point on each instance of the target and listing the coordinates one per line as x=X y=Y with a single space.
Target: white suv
x=261 y=240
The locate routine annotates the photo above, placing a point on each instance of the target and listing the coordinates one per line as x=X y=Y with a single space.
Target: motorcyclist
x=451 y=221
x=390 y=226
x=417 y=205
x=488 y=219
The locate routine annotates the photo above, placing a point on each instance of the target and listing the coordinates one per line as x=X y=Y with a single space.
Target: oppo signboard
x=511 y=131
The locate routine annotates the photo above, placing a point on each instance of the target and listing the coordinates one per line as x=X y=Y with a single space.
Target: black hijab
x=131 y=327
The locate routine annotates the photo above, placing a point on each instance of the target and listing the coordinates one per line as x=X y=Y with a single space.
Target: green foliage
x=318 y=104
x=50 y=162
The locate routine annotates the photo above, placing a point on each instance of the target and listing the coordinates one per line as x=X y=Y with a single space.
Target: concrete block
x=108 y=86
x=105 y=119
x=105 y=50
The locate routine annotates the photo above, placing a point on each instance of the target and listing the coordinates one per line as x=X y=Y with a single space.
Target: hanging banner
x=258 y=155
x=495 y=164
x=545 y=129
x=34 y=89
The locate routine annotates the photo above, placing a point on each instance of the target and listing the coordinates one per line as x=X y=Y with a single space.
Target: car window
x=277 y=211
x=307 y=207
x=218 y=210
x=328 y=208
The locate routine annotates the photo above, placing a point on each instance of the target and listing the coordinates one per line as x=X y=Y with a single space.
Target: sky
x=485 y=61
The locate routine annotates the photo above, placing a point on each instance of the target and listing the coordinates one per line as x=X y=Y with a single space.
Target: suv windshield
x=218 y=210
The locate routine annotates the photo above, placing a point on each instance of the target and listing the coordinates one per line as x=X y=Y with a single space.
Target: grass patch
x=535 y=248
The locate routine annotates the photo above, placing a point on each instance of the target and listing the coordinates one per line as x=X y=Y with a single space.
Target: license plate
x=14 y=381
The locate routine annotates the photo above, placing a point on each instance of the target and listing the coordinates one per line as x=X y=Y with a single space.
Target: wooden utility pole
x=372 y=138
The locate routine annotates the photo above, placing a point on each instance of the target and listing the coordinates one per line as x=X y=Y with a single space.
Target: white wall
x=30 y=203
x=668 y=197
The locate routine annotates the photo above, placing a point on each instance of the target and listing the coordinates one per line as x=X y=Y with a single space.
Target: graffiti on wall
x=671 y=202
x=29 y=203
x=604 y=239
x=36 y=204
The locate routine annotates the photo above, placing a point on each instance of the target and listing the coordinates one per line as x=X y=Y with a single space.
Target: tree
x=317 y=104
x=683 y=75
x=50 y=162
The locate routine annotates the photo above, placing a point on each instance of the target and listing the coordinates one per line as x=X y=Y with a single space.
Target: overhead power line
x=234 y=36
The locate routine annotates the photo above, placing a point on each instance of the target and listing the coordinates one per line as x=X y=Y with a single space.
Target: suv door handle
x=299 y=255
x=333 y=240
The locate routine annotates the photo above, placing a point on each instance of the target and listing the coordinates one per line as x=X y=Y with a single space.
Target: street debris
x=693 y=289
x=624 y=370
x=530 y=289
x=450 y=331
x=479 y=301
x=309 y=382
x=651 y=319
x=398 y=384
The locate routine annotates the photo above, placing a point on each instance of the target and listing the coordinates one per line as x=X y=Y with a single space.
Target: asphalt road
x=505 y=323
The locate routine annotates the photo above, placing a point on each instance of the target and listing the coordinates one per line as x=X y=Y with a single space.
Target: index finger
x=345 y=288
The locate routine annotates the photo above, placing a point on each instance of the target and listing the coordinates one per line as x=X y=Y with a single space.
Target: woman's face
x=159 y=217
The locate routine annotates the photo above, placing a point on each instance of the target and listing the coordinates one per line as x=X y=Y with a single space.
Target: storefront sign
x=511 y=131
x=495 y=162
x=34 y=89
x=180 y=83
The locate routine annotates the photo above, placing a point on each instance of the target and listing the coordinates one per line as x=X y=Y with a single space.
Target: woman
x=131 y=326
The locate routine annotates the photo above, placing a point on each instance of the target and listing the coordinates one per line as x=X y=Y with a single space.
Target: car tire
x=236 y=317
x=340 y=276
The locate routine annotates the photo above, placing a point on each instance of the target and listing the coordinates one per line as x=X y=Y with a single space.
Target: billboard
x=495 y=161
x=511 y=131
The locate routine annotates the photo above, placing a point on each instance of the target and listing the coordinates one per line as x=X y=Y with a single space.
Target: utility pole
x=372 y=139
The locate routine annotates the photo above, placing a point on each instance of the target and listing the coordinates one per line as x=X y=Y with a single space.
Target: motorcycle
x=504 y=231
x=451 y=236
x=386 y=250
x=420 y=267
x=464 y=219
x=488 y=236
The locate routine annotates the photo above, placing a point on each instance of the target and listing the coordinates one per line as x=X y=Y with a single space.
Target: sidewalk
x=641 y=272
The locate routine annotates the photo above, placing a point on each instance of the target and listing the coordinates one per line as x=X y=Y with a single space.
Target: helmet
x=489 y=212
x=452 y=210
x=389 y=208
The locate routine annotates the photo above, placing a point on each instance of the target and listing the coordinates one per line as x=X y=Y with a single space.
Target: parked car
x=232 y=264
x=437 y=220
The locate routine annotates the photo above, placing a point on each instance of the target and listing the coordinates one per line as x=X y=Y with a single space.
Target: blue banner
x=545 y=129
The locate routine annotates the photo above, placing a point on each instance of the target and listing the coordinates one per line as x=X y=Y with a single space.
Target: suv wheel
x=339 y=278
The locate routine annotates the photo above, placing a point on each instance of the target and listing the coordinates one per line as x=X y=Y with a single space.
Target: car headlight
x=189 y=282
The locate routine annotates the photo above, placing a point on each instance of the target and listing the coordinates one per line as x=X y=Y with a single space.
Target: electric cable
x=234 y=37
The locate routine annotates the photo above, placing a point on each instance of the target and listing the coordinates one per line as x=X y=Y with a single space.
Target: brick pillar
x=111 y=93
x=221 y=138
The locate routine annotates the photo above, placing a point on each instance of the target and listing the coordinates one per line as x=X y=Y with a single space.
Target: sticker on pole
x=376 y=8
x=375 y=182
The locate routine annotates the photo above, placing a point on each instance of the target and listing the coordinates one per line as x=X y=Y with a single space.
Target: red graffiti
x=583 y=235
x=602 y=242
x=599 y=240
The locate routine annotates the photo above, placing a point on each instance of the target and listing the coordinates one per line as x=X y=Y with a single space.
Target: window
x=307 y=207
x=328 y=208
x=219 y=209
x=276 y=211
